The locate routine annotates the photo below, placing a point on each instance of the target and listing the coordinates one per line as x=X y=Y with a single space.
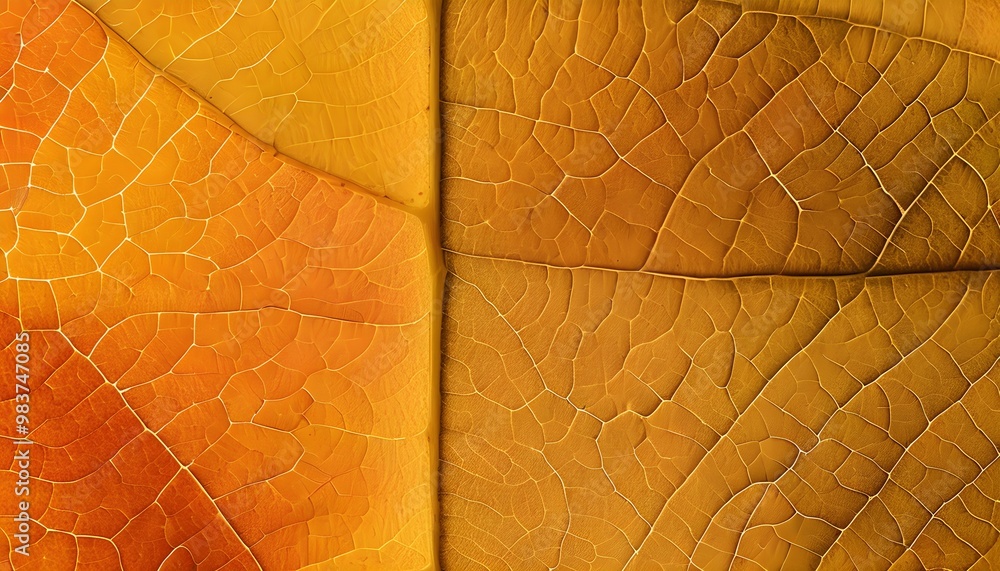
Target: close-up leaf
x=515 y=285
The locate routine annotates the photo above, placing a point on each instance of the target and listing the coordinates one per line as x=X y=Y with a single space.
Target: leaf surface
x=721 y=290
x=230 y=362
x=342 y=86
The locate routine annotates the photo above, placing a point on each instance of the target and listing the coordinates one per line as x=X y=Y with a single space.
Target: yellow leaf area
x=344 y=86
x=721 y=290
x=231 y=354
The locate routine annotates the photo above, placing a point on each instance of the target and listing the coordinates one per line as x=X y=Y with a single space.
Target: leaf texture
x=722 y=285
x=721 y=292
x=230 y=359
x=342 y=86
x=709 y=141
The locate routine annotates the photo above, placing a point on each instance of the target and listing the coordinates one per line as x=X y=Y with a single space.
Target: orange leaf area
x=722 y=290
x=230 y=354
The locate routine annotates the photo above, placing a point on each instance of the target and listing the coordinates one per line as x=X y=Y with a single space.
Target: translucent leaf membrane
x=722 y=292
x=230 y=361
x=702 y=140
x=596 y=419
x=342 y=86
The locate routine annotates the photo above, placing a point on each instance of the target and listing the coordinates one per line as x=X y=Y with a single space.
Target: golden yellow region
x=231 y=353
x=758 y=423
x=342 y=86
x=721 y=291
x=709 y=141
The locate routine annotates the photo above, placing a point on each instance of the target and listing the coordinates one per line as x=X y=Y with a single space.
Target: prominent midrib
x=729 y=277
